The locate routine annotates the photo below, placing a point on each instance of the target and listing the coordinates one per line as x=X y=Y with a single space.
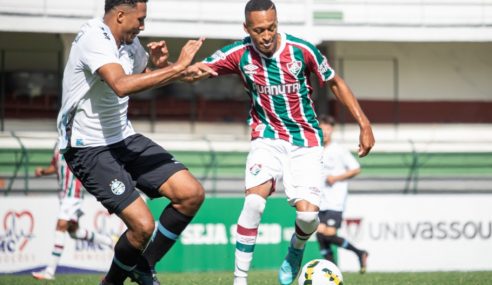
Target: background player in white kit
x=339 y=165
x=286 y=139
x=71 y=195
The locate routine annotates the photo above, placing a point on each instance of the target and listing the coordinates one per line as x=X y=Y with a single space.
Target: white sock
x=56 y=253
x=247 y=230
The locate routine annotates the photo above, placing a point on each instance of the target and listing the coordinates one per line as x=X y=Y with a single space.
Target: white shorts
x=300 y=168
x=70 y=209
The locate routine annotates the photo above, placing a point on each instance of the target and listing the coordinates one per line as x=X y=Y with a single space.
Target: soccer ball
x=320 y=272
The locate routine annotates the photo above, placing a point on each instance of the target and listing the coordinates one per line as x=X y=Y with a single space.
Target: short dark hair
x=326 y=119
x=258 y=5
x=110 y=4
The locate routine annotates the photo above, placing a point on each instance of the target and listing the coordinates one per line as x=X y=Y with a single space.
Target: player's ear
x=245 y=27
x=120 y=15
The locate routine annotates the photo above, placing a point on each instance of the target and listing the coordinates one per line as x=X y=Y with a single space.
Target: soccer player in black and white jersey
x=106 y=65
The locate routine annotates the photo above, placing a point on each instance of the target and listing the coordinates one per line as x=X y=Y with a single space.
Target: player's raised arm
x=345 y=95
x=124 y=85
x=198 y=71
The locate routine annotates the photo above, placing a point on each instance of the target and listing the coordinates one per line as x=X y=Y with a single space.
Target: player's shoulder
x=94 y=31
x=299 y=42
x=225 y=51
x=238 y=45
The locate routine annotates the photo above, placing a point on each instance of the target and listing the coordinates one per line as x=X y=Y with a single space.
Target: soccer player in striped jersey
x=286 y=138
x=71 y=195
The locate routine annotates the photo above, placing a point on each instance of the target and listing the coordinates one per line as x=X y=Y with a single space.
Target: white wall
x=426 y=71
x=398 y=20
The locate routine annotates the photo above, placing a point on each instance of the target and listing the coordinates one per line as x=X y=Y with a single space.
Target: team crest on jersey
x=250 y=69
x=294 y=67
x=255 y=169
x=117 y=187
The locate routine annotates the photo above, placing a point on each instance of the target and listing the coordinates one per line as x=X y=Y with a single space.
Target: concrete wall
x=425 y=71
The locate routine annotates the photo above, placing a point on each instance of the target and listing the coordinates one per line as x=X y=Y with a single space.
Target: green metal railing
x=17 y=165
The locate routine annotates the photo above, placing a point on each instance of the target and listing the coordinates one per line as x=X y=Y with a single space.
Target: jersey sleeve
x=318 y=64
x=97 y=49
x=141 y=57
x=226 y=60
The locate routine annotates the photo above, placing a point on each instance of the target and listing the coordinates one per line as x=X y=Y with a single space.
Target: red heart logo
x=19 y=226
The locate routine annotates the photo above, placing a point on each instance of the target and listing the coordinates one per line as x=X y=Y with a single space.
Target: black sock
x=321 y=241
x=171 y=224
x=341 y=242
x=325 y=247
x=124 y=260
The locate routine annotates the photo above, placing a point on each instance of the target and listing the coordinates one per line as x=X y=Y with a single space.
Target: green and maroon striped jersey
x=278 y=86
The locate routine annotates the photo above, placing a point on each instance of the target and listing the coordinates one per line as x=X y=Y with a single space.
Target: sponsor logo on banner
x=17 y=231
x=15 y=234
x=431 y=230
x=417 y=230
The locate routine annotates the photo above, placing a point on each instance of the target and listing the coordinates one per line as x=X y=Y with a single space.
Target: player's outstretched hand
x=197 y=72
x=159 y=54
x=366 y=140
x=188 y=52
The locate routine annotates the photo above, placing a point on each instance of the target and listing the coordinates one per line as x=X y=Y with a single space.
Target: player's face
x=327 y=130
x=262 y=28
x=133 y=20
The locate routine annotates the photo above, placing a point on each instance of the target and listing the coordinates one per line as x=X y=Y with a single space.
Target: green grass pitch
x=269 y=278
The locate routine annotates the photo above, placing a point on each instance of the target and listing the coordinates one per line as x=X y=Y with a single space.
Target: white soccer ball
x=320 y=272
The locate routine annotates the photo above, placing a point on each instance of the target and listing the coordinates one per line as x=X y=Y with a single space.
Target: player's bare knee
x=195 y=195
x=143 y=231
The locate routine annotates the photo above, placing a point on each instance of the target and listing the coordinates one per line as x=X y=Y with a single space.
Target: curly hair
x=110 y=4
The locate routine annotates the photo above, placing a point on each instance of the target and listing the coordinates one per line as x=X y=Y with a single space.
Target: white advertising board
x=419 y=232
x=401 y=233
x=27 y=234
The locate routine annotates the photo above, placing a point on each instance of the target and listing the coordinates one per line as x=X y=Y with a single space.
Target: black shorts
x=110 y=173
x=331 y=218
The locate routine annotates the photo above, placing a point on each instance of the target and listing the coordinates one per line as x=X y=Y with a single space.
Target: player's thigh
x=302 y=175
x=182 y=186
x=154 y=167
x=103 y=175
x=264 y=163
